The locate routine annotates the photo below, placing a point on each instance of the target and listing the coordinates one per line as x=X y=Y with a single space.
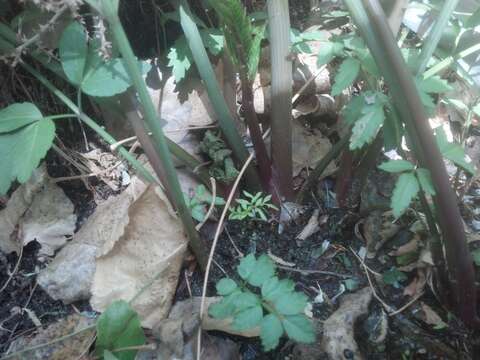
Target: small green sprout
x=254 y=207
x=200 y=201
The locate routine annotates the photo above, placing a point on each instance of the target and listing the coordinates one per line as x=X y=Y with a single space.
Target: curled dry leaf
x=38 y=210
x=378 y=228
x=431 y=317
x=338 y=329
x=416 y=287
x=309 y=147
x=313 y=225
x=409 y=247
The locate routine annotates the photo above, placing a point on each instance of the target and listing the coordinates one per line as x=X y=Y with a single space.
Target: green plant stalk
x=89 y=122
x=320 y=168
x=435 y=34
x=182 y=155
x=435 y=69
x=281 y=94
x=204 y=67
x=412 y=111
x=109 y=12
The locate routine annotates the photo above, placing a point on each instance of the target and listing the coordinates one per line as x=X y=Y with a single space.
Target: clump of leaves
x=274 y=305
x=223 y=168
x=25 y=137
x=118 y=328
x=413 y=179
x=199 y=201
x=394 y=277
x=253 y=207
x=85 y=67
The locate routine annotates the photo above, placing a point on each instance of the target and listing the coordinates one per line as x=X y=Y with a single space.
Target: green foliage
x=25 y=138
x=277 y=309
x=299 y=40
x=118 y=327
x=431 y=85
x=394 y=277
x=425 y=180
x=328 y=52
x=394 y=166
x=84 y=66
x=199 y=202
x=346 y=75
x=180 y=57
x=242 y=46
x=406 y=189
x=254 y=207
x=476 y=257
x=453 y=151
x=223 y=168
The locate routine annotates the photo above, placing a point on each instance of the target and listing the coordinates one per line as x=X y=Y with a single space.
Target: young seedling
x=254 y=207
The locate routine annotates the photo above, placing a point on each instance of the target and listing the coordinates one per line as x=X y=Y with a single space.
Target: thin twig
x=328 y=273
x=14 y=270
x=304 y=87
x=214 y=244
x=212 y=204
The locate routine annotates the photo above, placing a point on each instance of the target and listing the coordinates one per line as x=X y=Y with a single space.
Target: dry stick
x=212 y=204
x=14 y=270
x=304 y=87
x=321 y=272
x=214 y=244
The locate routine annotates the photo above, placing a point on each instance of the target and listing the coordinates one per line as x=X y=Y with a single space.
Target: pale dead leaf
x=153 y=242
x=409 y=247
x=313 y=225
x=417 y=285
x=279 y=260
x=338 y=329
x=309 y=147
x=40 y=211
x=431 y=317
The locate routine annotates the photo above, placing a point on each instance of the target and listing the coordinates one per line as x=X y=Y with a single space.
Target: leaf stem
x=64 y=116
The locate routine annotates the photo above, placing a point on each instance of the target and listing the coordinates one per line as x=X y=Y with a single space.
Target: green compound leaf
x=299 y=328
x=425 y=180
x=18 y=115
x=213 y=40
x=394 y=277
x=245 y=300
x=395 y=166
x=247 y=264
x=433 y=85
x=119 y=327
x=346 y=75
x=328 y=51
x=367 y=127
x=22 y=150
x=224 y=308
x=264 y=269
x=179 y=58
x=73 y=50
x=248 y=318
x=353 y=110
x=274 y=288
x=291 y=303
x=453 y=151
x=405 y=191
x=226 y=286
x=271 y=330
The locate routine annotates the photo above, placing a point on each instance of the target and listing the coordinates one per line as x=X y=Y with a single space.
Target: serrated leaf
x=346 y=75
x=433 y=85
x=264 y=269
x=367 y=126
x=246 y=266
x=395 y=166
x=406 y=188
x=226 y=286
x=353 y=109
x=17 y=115
x=245 y=300
x=224 y=308
x=248 y=318
x=291 y=303
x=425 y=181
x=253 y=57
x=476 y=257
x=180 y=58
x=119 y=327
x=274 y=288
x=328 y=51
x=73 y=50
x=394 y=277
x=22 y=150
x=213 y=40
x=452 y=151
x=271 y=330
x=299 y=328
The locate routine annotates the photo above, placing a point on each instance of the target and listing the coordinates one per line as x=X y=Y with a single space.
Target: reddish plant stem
x=408 y=102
